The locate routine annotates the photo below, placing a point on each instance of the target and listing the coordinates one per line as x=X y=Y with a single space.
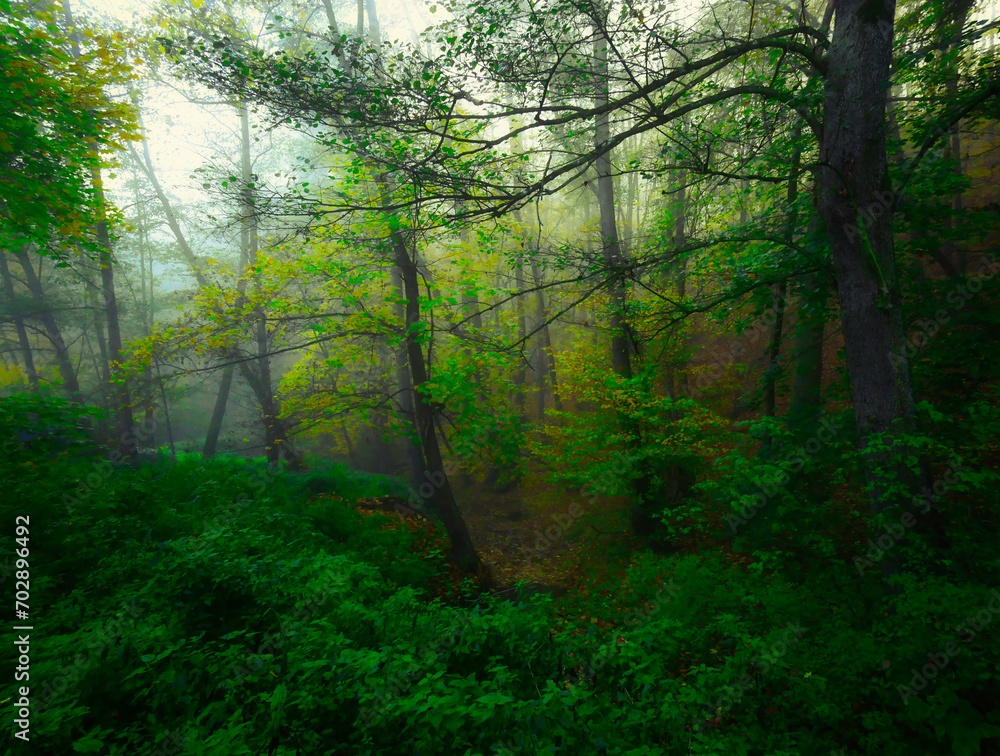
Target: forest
x=500 y=377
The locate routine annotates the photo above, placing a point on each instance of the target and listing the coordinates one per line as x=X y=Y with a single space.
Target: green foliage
x=219 y=605
x=635 y=442
x=49 y=424
x=333 y=478
x=55 y=121
x=489 y=434
x=780 y=501
x=952 y=335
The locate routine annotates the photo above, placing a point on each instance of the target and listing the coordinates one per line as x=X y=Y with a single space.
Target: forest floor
x=531 y=534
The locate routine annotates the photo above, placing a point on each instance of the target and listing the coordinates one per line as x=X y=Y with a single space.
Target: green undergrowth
x=224 y=608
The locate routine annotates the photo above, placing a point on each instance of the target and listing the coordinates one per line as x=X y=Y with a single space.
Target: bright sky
x=184 y=137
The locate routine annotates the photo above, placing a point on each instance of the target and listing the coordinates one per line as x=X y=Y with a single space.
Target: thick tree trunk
x=855 y=202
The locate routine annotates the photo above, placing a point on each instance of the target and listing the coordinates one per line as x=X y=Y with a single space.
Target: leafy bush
x=636 y=442
x=223 y=608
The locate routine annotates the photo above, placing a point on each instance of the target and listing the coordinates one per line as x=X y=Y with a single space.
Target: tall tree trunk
x=148 y=400
x=277 y=445
x=118 y=391
x=374 y=31
x=118 y=388
x=218 y=414
x=854 y=178
x=547 y=373
x=146 y=165
x=166 y=416
x=953 y=22
x=779 y=289
x=614 y=263
x=100 y=335
x=807 y=372
x=71 y=383
x=414 y=455
x=957 y=203
x=472 y=321
x=647 y=483
x=631 y=195
x=331 y=21
x=210 y=449
x=22 y=333
x=678 y=213
x=521 y=373
x=463 y=550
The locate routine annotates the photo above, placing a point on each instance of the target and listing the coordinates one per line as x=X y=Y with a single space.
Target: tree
x=53 y=113
x=836 y=87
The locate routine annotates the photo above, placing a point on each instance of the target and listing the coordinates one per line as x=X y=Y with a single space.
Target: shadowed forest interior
x=500 y=377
